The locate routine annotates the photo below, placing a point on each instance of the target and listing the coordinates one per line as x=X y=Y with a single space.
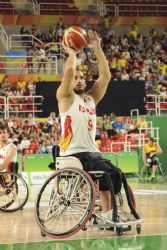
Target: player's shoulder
x=12 y=146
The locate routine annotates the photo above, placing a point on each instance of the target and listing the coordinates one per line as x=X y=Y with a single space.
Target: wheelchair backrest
x=68 y=162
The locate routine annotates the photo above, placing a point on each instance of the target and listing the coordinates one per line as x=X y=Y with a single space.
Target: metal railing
x=23 y=41
x=19 y=106
x=22 y=65
x=152 y=104
x=3 y=107
x=162 y=104
x=110 y=9
x=13 y=7
x=141 y=9
x=66 y=8
x=4 y=37
x=149 y=132
x=120 y=146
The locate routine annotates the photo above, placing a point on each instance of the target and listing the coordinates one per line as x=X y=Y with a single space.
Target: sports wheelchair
x=13 y=190
x=67 y=202
x=145 y=174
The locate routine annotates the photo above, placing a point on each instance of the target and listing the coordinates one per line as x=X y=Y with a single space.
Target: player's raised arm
x=99 y=88
x=68 y=80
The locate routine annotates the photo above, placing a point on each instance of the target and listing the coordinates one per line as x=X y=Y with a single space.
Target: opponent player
x=8 y=152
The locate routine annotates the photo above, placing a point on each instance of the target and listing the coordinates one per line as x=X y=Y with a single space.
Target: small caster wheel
x=119 y=231
x=84 y=228
x=93 y=219
x=43 y=234
x=21 y=208
x=138 y=228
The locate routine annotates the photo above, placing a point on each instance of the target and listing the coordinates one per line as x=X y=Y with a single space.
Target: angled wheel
x=13 y=192
x=65 y=202
x=132 y=196
x=120 y=199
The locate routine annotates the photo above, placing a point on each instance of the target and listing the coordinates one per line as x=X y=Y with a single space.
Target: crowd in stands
x=32 y=136
x=130 y=56
x=20 y=94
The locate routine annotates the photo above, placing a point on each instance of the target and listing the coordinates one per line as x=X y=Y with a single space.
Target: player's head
x=151 y=141
x=3 y=134
x=80 y=83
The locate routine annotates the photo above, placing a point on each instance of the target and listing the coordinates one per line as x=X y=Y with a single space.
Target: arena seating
x=58 y=7
x=6 y=7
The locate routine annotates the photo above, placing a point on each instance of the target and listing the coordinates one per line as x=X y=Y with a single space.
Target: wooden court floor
x=21 y=227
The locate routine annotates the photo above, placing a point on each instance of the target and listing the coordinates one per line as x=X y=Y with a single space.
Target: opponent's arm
x=144 y=155
x=12 y=151
x=99 y=88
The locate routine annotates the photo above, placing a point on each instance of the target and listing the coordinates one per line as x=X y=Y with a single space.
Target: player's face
x=80 y=83
x=150 y=143
x=3 y=135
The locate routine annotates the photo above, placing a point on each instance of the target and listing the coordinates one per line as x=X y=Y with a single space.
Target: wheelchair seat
x=67 y=162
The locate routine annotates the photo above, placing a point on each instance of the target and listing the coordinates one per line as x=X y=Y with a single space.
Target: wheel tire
x=43 y=217
x=16 y=184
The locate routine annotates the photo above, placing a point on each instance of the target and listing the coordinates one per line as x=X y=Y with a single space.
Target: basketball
x=75 y=37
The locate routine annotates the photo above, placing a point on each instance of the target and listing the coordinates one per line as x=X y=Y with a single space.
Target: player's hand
x=94 y=40
x=152 y=154
x=69 y=50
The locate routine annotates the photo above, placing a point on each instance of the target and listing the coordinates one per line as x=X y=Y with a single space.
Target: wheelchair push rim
x=65 y=203
x=13 y=192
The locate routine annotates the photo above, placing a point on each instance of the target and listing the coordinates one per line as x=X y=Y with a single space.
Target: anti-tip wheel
x=43 y=234
x=138 y=228
x=119 y=231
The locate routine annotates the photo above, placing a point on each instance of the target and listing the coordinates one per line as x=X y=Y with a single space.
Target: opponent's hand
x=94 y=40
x=152 y=154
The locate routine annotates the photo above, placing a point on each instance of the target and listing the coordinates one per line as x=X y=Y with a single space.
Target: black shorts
x=96 y=162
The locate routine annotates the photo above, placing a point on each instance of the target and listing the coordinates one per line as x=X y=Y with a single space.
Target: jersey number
x=90 y=125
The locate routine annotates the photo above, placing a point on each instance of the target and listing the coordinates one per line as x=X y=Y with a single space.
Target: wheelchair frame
x=54 y=207
x=14 y=192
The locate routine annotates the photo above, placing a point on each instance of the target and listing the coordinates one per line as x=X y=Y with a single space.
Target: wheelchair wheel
x=65 y=202
x=13 y=192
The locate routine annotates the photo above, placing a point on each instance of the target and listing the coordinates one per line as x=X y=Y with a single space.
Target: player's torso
x=79 y=126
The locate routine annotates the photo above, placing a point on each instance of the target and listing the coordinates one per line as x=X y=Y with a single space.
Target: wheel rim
x=13 y=192
x=65 y=202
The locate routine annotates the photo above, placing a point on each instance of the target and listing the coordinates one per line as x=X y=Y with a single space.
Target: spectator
x=25 y=144
x=42 y=59
x=142 y=123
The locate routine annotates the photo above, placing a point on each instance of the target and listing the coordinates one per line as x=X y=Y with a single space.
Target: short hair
x=151 y=139
x=2 y=127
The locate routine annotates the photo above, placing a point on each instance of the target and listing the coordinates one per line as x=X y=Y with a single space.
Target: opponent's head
x=3 y=135
x=80 y=83
x=151 y=141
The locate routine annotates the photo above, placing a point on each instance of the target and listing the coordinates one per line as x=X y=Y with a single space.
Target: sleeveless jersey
x=150 y=149
x=78 y=126
x=3 y=153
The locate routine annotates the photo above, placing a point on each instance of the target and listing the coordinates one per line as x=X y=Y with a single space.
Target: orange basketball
x=75 y=37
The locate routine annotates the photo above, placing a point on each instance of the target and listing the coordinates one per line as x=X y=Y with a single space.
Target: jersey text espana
x=78 y=126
